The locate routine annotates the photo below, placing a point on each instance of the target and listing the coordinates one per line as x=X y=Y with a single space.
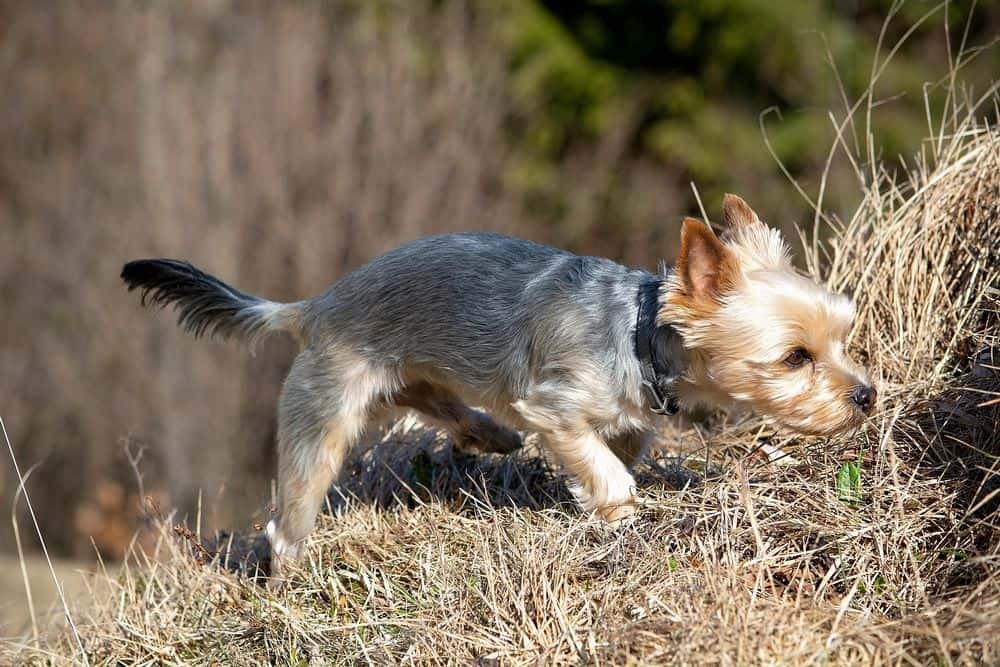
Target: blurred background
x=280 y=145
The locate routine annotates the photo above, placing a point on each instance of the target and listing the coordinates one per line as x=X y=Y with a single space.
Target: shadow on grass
x=410 y=466
x=961 y=427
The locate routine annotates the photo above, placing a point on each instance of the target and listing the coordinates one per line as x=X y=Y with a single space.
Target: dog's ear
x=706 y=268
x=737 y=212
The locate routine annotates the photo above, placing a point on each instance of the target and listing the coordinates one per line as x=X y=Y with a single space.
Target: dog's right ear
x=706 y=268
x=736 y=212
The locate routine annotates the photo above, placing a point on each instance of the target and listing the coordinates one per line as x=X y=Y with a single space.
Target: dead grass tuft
x=433 y=558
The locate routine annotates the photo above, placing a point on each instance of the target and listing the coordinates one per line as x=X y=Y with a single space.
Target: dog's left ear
x=707 y=269
x=737 y=212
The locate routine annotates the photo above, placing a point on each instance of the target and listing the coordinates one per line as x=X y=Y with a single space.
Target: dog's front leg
x=601 y=482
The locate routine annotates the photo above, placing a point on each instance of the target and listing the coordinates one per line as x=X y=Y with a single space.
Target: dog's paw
x=505 y=440
x=489 y=437
x=283 y=553
x=618 y=514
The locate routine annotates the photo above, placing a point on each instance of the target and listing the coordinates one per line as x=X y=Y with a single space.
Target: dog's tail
x=206 y=305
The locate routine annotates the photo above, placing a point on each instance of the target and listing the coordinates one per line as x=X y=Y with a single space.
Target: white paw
x=618 y=514
x=281 y=548
x=609 y=485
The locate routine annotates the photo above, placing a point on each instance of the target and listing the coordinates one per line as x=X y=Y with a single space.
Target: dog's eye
x=797 y=357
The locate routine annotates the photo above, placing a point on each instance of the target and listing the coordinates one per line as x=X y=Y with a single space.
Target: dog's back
x=472 y=303
x=488 y=309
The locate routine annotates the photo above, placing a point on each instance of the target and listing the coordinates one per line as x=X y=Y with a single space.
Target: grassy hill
x=877 y=547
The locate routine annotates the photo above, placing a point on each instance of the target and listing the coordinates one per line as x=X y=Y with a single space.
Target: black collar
x=651 y=344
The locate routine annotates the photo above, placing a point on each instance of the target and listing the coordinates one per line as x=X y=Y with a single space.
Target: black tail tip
x=151 y=272
x=131 y=272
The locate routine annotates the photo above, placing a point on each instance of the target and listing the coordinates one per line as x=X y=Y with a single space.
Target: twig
x=20 y=554
x=38 y=531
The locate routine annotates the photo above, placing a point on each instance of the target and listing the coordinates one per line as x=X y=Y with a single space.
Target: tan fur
x=706 y=267
x=301 y=494
x=307 y=470
x=761 y=312
x=472 y=430
x=736 y=212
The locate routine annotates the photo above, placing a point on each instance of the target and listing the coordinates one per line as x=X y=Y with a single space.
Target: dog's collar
x=658 y=375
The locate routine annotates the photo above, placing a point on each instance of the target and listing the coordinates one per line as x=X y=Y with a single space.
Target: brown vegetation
x=434 y=558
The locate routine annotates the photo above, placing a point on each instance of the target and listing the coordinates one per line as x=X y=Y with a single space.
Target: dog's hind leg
x=471 y=430
x=323 y=411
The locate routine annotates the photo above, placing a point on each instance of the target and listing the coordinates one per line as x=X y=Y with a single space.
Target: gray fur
x=494 y=314
x=539 y=337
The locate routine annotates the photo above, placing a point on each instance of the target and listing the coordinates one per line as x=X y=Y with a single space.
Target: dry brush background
x=262 y=168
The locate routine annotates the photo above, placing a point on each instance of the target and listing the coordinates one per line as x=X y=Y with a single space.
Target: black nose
x=863 y=397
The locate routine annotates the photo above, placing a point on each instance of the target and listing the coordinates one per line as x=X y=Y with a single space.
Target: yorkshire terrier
x=581 y=350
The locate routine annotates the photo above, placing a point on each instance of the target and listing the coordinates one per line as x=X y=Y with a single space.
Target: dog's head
x=761 y=333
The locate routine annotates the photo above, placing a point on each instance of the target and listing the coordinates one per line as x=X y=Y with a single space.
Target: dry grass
x=439 y=559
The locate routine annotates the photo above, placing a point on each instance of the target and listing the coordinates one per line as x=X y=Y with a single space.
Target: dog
x=581 y=350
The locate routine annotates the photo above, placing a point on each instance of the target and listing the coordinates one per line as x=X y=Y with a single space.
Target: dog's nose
x=864 y=397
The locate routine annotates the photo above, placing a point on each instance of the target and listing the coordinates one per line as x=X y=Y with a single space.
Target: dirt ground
x=15 y=614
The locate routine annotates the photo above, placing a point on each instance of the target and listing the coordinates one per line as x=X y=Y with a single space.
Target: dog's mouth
x=849 y=423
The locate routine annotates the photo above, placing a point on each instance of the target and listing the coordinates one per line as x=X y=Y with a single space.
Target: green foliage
x=695 y=75
x=849 y=482
x=878 y=586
